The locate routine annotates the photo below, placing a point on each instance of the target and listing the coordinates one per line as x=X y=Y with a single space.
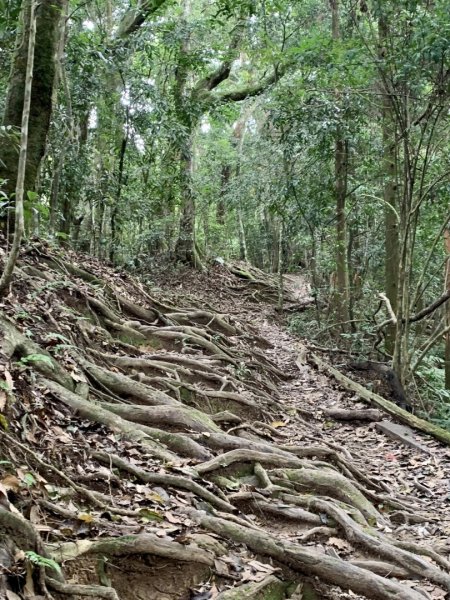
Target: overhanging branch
x=215 y=78
x=135 y=17
x=422 y=313
x=431 y=307
x=250 y=91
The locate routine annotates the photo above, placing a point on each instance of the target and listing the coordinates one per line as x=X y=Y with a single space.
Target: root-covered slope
x=145 y=454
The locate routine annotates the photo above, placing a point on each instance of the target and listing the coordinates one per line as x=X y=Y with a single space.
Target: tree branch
x=386 y=300
x=135 y=17
x=215 y=78
x=431 y=307
x=250 y=91
x=422 y=313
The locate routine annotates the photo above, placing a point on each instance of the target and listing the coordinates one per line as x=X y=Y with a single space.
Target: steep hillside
x=168 y=443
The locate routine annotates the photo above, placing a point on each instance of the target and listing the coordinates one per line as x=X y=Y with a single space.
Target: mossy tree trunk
x=185 y=249
x=48 y=30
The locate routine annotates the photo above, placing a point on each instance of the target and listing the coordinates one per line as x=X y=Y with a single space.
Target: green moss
x=274 y=590
x=186 y=395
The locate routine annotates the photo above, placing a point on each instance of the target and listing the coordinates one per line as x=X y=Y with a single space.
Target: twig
x=390 y=310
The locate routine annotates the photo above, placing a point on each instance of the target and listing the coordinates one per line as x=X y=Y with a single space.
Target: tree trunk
x=55 y=189
x=242 y=240
x=280 y=264
x=185 y=250
x=115 y=209
x=48 y=30
x=342 y=277
x=390 y=196
x=10 y=264
x=340 y=172
x=238 y=141
x=221 y=209
x=447 y=310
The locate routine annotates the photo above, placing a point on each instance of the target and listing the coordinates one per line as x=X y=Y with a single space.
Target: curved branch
x=135 y=17
x=250 y=91
x=430 y=308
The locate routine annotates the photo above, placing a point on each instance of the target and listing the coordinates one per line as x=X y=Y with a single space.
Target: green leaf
x=32 y=195
x=41 y=561
x=34 y=358
x=29 y=479
x=150 y=515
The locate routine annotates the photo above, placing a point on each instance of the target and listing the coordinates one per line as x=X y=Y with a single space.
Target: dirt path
x=419 y=479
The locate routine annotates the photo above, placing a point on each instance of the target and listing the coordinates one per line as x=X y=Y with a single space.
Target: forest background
x=306 y=136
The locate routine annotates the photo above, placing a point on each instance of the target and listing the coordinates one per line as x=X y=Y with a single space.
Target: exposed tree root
x=270 y=586
x=144 y=543
x=341 y=414
x=263 y=286
x=328 y=483
x=181 y=416
x=377 y=544
x=97 y=591
x=168 y=381
x=247 y=455
x=176 y=481
x=121 y=384
x=152 y=439
x=308 y=561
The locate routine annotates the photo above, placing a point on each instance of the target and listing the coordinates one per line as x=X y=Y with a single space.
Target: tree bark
x=48 y=30
x=447 y=310
x=7 y=274
x=185 y=250
x=342 y=292
x=390 y=195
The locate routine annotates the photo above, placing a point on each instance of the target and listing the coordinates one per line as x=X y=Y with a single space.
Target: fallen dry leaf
x=11 y=482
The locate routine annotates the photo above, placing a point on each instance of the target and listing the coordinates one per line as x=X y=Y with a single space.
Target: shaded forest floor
x=166 y=442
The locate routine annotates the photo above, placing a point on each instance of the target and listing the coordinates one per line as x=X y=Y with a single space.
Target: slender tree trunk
x=7 y=274
x=68 y=140
x=55 y=189
x=48 y=15
x=280 y=264
x=342 y=292
x=185 y=248
x=391 y=260
x=342 y=277
x=238 y=141
x=447 y=310
x=115 y=208
x=408 y=222
x=242 y=239
x=221 y=209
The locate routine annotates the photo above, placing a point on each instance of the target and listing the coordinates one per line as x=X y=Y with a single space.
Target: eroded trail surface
x=171 y=443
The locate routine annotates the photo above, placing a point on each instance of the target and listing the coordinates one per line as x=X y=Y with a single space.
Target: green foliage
x=143 y=125
x=29 y=480
x=41 y=561
x=31 y=359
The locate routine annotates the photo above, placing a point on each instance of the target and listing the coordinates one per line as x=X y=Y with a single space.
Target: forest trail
x=167 y=443
x=421 y=477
